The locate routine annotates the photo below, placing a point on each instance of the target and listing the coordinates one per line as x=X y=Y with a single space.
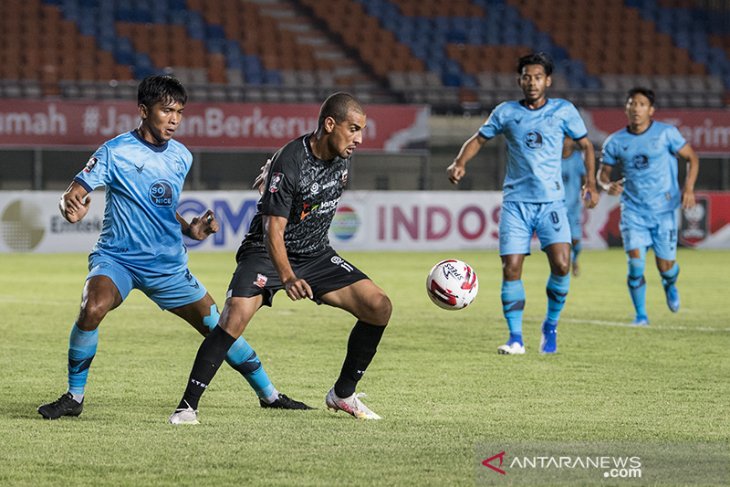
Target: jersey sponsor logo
x=276 y=179
x=161 y=193
x=533 y=140
x=307 y=209
x=640 y=161
x=90 y=164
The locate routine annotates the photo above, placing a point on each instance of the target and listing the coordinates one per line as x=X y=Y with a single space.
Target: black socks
x=361 y=348
x=210 y=356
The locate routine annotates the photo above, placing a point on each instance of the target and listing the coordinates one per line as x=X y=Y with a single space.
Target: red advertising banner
x=707 y=131
x=24 y=123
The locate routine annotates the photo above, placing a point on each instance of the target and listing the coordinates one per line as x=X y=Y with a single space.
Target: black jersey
x=306 y=191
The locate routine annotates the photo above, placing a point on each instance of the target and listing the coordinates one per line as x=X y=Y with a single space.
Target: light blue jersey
x=143 y=184
x=649 y=163
x=534 y=147
x=573 y=172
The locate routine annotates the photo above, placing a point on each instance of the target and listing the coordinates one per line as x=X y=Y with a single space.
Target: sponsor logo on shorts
x=337 y=260
x=276 y=179
x=260 y=280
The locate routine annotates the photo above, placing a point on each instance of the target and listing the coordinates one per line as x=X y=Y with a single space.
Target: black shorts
x=255 y=274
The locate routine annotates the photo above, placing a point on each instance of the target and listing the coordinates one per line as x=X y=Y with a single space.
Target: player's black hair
x=540 y=58
x=160 y=88
x=640 y=90
x=336 y=106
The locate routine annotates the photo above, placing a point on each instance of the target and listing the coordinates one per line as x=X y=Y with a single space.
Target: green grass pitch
x=436 y=380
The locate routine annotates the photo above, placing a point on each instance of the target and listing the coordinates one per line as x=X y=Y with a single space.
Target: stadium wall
x=365 y=220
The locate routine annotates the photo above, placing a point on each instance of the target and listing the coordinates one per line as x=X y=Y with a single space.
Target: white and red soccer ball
x=452 y=284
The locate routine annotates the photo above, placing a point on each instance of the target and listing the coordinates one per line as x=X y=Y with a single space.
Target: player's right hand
x=298 y=289
x=455 y=172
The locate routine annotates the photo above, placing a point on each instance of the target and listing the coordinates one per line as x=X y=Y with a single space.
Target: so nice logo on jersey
x=161 y=193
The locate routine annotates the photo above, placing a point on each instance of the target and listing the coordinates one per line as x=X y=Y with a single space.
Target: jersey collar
x=156 y=148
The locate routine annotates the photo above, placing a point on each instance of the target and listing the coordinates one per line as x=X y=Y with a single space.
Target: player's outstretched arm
x=471 y=147
x=589 y=192
x=693 y=169
x=199 y=227
x=274 y=237
x=74 y=203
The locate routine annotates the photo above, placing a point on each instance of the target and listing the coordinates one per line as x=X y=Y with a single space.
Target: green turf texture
x=436 y=380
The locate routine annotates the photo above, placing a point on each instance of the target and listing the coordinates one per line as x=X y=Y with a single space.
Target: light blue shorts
x=644 y=230
x=168 y=291
x=519 y=221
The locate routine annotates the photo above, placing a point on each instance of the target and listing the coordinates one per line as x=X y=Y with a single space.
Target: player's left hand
x=688 y=199
x=201 y=227
x=589 y=194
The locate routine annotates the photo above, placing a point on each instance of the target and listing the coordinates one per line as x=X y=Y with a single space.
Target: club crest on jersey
x=641 y=161
x=276 y=179
x=533 y=140
x=90 y=164
x=260 y=281
x=343 y=179
x=161 y=193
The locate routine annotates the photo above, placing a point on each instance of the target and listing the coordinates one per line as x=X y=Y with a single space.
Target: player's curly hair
x=160 y=88
x=540 y=58
x=336 y=106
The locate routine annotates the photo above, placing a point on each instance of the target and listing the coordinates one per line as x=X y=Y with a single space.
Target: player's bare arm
x=693 y=168
x=589 y=192
x=199 y=227
x=274 y=238
x=471 y=147
x=74 y=203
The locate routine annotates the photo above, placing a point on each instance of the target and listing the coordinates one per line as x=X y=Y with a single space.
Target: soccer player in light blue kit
x=647 y=151
x=574 y=176
x=141 y=242
x=533 y=200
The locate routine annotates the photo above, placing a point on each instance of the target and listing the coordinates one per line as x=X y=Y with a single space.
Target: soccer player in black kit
x=287 y=248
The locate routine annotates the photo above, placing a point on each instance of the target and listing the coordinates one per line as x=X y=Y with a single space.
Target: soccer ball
x=452 y=284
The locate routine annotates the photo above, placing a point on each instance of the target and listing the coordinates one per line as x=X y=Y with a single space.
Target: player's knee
x=378 y=309
x=561 y=267
x=91 y=314
x=664 y=265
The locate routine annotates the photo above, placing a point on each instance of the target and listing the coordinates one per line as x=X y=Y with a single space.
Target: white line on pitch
x=650 y=327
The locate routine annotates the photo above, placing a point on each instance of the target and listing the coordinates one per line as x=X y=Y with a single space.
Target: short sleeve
x=97 y=171
x=675 y=140
x=573 y=124
x=607 y=152
x=493 y=126
x=281 y=185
